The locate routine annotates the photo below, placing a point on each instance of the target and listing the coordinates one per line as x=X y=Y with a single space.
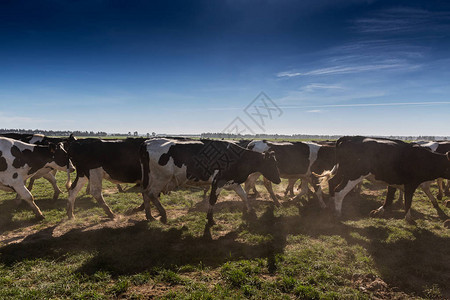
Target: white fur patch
x=379 y=141
x=259 y=146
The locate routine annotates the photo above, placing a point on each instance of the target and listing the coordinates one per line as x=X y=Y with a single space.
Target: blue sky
x=332 y=67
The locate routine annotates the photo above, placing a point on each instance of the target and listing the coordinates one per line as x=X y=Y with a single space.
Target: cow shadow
x=411 y=260
x=134 y=249
x=8 y=207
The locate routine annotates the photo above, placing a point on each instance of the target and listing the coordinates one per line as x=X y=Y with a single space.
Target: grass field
x=294 y=251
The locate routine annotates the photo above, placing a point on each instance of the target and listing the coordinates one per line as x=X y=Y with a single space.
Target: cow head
x=60 y=158
x=270 y=168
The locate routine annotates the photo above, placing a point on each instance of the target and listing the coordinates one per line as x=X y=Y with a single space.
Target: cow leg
x=303 y=189
x=149 y=196
x=440 y=194
x=51 y=178
x=162 y=211
x=250 y=183
x=290 y=187
x=31 y=183
x=215 y=191
x=409 y=192
x=95 y=179
x=390 y=195
x=205 y=194
x=342 y=190
x=319 y=194
x=88 y=189
x=241 y=193
x=400 y=196
x=268 y=186
x=426 y=189
x=447 y=188
x=25 y=194
x=146 y=204
x=318 y=191
x=73 y=192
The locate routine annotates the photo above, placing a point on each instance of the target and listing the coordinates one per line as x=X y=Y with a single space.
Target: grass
x=294 y=251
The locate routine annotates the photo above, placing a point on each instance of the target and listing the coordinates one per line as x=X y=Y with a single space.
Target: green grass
x=294 y=251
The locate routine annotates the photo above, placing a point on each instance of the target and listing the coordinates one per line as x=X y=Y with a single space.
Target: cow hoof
x=411 y=221
x=447 y=223
x=112 y=217
x=439 y=196
x=163 y=219
x=207 y=233
x=40 y=217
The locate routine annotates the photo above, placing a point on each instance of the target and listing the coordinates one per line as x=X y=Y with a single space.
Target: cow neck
x=38 y=158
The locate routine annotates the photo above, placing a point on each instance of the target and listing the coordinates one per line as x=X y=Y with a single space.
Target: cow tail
x=326 y=176
x=145 y=166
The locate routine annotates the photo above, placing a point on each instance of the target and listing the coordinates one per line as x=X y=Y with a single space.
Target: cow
x=20 y=161
x=394 y=162
x=47 y=173
x=97 y=159
x=438 y=147
x=168 y=163
x=296 y=160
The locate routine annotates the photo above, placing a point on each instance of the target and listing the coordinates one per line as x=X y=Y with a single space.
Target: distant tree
x=135 y=133
x=148 y=135
x=153 y=133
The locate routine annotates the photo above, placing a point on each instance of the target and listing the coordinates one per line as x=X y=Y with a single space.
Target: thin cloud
x=11 y=120
x=403 y=20
x=337 y=70
x=368 y=104
x=321 y=86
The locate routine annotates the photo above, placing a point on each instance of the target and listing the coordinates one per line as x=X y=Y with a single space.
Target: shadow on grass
x=414 y=261
x=411 y=262
x=9 y=207
x=134 y=249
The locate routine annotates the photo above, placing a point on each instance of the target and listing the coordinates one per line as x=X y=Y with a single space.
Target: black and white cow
x=96 y=159
x=296 y=160
x=392 y=161
x=168 y=163
x=47 y=173
x=439 y=147
x=20 y=161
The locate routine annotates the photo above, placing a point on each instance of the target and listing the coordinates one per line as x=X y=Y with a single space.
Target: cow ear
x=71 y=138
x=52 y=148
x=269 y=155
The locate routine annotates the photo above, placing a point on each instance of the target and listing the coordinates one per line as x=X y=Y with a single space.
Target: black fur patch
x=3 y=164
x=164 y=159
x=33 y=159
x=18 y=161
x=15 y=175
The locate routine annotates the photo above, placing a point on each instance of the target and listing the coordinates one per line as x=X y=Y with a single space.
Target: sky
x=274 y=66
